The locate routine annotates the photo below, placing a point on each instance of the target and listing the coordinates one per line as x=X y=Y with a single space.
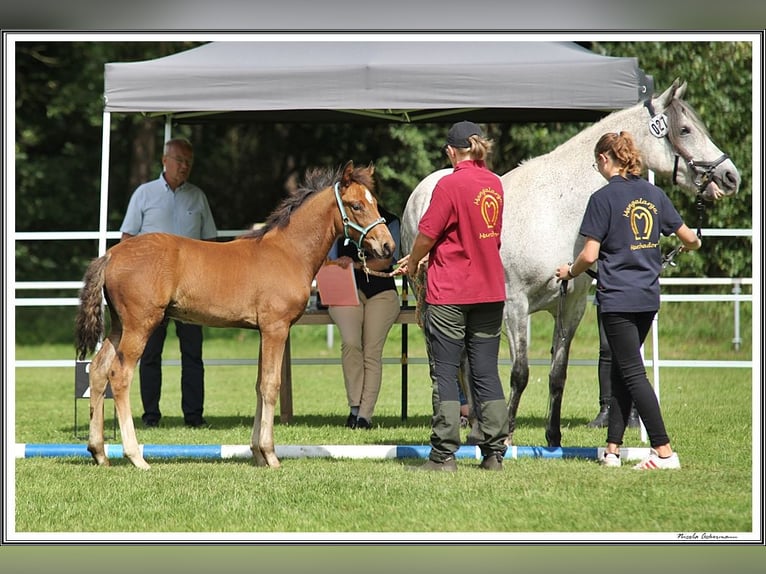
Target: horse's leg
x=120 y=377
x=98 y=380
x=563 y=333
x=273 y=342
x=258 y=458
x=516 y=318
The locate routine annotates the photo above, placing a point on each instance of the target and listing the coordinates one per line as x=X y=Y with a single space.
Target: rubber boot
x=445 y=430
x=474 y=436
x=493 y=428
x=602 y=418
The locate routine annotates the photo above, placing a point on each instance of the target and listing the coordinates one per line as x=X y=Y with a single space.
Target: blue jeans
x=626 y=332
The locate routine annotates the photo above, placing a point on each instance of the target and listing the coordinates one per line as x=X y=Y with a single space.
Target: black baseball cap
x=460 y=132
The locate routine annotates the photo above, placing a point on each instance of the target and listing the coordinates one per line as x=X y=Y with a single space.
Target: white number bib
x=658 y=125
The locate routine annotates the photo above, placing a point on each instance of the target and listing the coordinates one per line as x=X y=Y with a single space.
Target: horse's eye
x=356 y=206
x=685 y=131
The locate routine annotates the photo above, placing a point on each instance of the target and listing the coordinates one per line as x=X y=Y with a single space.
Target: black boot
x=602 y=418
x=633 y=420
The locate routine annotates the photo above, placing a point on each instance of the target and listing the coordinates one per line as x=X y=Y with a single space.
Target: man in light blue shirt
x=170 y=204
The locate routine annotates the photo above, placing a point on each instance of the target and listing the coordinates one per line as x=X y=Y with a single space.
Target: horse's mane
x=675 y=110
x=315 y=180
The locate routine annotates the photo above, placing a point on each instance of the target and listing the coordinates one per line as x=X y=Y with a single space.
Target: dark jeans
x=192 y=371
x=626 y=332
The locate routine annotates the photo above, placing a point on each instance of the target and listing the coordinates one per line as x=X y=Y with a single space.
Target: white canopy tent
x=404 y=81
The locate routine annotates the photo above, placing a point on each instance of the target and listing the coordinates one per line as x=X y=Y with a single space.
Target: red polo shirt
x=465 y=218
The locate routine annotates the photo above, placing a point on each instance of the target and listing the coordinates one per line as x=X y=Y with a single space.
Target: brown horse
x=259 y=281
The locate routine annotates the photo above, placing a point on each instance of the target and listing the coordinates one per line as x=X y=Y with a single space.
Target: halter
x=362 y=230
x=702 y=170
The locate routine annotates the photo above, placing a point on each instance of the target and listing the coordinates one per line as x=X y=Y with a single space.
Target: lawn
x=708 y=412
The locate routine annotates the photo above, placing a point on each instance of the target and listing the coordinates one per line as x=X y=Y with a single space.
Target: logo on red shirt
x=490 y=203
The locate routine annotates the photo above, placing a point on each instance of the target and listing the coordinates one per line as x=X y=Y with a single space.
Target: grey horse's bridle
x=363 y=231
x=702 y=170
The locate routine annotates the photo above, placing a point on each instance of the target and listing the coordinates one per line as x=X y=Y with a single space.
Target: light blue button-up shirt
x=154 y=207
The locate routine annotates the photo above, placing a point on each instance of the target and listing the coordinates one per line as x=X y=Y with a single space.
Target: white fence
x=736 y=297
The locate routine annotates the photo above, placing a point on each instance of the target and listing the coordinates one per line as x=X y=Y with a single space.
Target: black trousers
x=192 y=371
x=626 y=332
x=604 y=363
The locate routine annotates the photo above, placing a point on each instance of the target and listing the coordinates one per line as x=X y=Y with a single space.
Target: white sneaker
x=611 y=459
x=654 y=462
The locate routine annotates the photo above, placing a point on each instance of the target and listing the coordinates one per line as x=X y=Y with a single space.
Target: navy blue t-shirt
x=627 y=217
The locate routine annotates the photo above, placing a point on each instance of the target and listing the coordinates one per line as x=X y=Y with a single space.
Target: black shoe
x=602 y=418
x=446 y=465
x=362 y=423
x=195 y=422
x=492 y=461
x=351 y=421
x=150 y=422
x=634 y=420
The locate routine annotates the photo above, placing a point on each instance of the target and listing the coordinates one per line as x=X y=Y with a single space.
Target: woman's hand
x=562 y=272
x=401 y=268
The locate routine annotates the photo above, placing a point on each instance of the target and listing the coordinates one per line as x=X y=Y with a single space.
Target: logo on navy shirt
x=641 y=214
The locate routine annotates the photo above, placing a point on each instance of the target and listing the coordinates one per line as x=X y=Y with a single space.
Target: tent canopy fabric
x=404 y=81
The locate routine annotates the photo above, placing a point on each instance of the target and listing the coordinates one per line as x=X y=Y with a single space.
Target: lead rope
x=367 y=271
x=363 y=263
x=563 y=284
x=560 y=312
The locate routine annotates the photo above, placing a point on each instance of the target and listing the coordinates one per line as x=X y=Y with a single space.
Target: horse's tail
x=89 y=324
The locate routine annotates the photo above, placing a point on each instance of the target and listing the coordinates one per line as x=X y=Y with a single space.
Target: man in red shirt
x=465 y=294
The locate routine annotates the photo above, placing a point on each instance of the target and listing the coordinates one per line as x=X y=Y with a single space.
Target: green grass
x=708 y=413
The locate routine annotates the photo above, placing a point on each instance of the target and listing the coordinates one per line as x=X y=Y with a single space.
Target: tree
x=246 y=167
x=719 y=77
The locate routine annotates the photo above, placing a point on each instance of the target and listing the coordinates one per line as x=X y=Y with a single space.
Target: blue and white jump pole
x=224 y=451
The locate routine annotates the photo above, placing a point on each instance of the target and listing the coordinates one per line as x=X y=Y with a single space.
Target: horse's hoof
x=262 y=463
x=553 y=440
x=258 y=459
x=99 y=457
x=261 y=458
x=140 y=463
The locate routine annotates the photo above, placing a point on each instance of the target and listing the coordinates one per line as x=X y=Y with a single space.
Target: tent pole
x=102 y=218
x=168 y=126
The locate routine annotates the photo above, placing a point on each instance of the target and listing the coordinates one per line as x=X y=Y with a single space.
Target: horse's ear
x=348 y=169
x=680 y=91
x=667 y=96
x=371 y=169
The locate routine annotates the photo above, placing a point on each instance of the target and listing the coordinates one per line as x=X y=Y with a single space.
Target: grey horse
x=545 y=198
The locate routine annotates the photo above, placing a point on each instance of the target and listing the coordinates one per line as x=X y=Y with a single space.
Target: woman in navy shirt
x=622 y=226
